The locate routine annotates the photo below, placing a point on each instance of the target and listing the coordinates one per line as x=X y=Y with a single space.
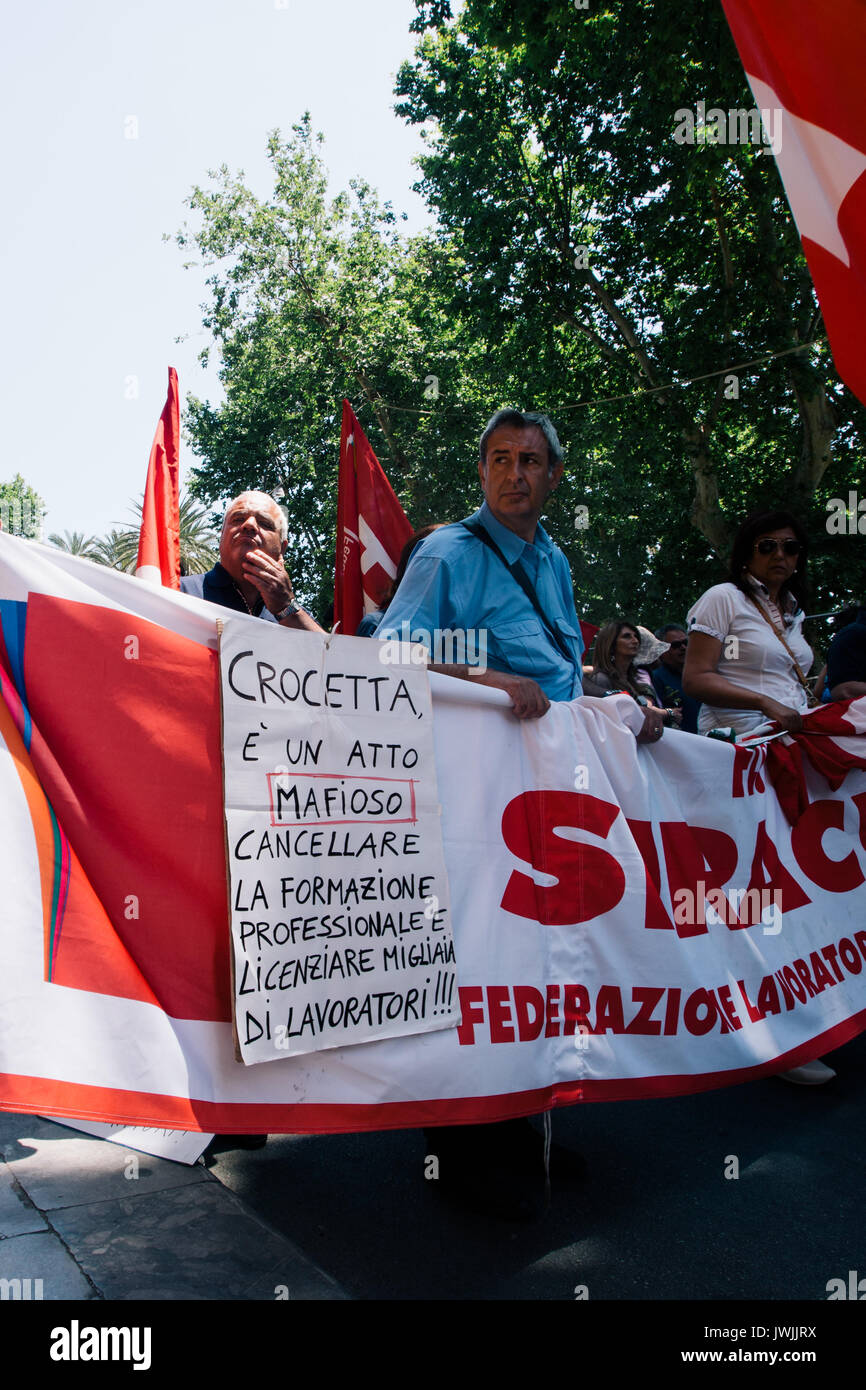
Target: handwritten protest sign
x=338 y=893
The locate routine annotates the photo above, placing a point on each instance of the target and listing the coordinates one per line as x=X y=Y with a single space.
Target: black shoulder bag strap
x=518 y=573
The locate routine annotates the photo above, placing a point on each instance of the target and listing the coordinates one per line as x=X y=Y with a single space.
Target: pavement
x=85 y=1219
x=752 y=1192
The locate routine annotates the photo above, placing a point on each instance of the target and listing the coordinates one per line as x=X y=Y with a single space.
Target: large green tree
x=314 y=298
x=620 y=260
x=583 y=262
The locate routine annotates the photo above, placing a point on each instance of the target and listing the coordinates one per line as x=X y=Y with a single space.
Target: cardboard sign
x=339 y=908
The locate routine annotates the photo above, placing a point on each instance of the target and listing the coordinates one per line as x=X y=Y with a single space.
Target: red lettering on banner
x=527 y=999
x=696 y=859
x=768 y=872
x=575 y=1008
x=835 y=875
x=787 y=996
x=656 y=915
x=472 y=1009
x=829 y=953
x=802 y=970
x=552 y=1011
x=860 y=802
x=672 y=1009
x=768 y=997
x=850 y=959
x=747 y=761
x=701 y=998
x=590 y=881
x=521 y=1013
x=822 y=975
x=728 y=1008
x=643 y=1022
x=794 y=983
x=499 y=1008
x=755 y=1015
x=608 y=1010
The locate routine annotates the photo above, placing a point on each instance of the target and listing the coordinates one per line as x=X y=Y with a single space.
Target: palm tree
x=76 y=543
x=199 y=542
x=119 y=550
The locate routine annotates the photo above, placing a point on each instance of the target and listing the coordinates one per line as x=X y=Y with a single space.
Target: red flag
x=588 y=632
x=159 y=541
x=372 y=529
x=805 y=64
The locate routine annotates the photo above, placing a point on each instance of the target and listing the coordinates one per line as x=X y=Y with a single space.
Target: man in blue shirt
x=846 y=660
x=459 y=582
x=668 y=676
x=508 y=594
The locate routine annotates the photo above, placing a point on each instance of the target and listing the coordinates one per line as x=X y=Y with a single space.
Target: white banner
x=627 y=920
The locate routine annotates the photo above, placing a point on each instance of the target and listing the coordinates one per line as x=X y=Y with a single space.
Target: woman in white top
x=745 y=637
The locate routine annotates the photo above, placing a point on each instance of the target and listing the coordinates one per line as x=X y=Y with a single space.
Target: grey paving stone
x=58 y=1168
x=11 y=1126
x=43 y=1257
x=195 y=1242
x=16 y=1217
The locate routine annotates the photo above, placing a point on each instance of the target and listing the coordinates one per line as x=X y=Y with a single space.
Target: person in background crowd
x=668 y=677
x=615 y=670
x=846 y=660
x=747 y=657
x=370 y=621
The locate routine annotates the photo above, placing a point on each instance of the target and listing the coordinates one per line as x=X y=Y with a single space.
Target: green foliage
x=547 y=129
x=553 y=131
x=76 y=543
x=199 y=542
x=21 y=509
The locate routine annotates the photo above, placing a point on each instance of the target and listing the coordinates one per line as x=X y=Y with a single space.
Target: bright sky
x=94 y=299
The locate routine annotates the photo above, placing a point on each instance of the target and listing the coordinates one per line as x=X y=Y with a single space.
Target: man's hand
x=270 y=578
x=653 y=725
x=528 y=700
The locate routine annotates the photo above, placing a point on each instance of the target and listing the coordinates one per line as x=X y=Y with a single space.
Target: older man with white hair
x=250 y=576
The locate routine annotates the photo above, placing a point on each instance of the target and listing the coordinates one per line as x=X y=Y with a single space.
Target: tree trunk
x=819 y=426
x=706 y=514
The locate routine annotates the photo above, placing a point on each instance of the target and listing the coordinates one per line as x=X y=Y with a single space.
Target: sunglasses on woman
x=768 y=546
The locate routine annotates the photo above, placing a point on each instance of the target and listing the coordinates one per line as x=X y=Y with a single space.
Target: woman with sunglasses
x=747 y=658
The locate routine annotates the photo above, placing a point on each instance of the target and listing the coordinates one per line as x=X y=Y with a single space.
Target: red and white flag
x=159 y=541
x=372 y=529
x=805 y=64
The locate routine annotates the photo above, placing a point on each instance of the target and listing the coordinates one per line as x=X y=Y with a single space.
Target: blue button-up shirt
x=454 y=583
